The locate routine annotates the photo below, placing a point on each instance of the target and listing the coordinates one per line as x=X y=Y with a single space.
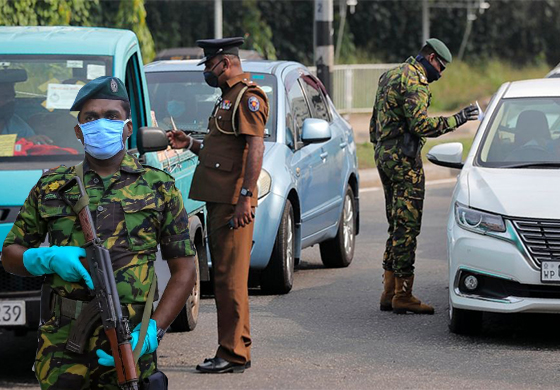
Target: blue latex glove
x=61 y=260
x=150 y=344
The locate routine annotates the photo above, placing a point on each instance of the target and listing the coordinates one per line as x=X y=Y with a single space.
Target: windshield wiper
x=534 y=164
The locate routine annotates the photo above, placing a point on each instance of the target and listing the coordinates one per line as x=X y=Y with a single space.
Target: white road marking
x=428 y=184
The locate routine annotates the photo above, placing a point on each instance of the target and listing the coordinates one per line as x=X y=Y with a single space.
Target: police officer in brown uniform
x=230 y=160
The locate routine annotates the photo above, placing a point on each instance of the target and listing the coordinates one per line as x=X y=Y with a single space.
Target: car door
x=307 y=163
x=331 y=152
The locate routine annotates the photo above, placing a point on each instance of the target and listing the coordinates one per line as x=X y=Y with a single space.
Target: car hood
x=526 y=193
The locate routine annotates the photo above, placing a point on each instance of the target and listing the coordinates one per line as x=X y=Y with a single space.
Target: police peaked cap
x=12 y=75
x=213 y=47
x=104 y=87
x=441 y=50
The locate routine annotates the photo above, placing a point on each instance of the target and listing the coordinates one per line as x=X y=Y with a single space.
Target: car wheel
x=339 y=251
x=188 y=316
x=278 y=276
x=467 y=322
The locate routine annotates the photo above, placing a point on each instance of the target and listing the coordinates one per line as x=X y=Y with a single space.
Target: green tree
x=46 y=12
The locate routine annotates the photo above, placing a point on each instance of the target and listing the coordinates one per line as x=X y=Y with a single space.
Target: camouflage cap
x=440 y=48
x=104 y=87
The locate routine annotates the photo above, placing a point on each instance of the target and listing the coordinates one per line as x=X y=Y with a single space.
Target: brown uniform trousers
x=242 y=111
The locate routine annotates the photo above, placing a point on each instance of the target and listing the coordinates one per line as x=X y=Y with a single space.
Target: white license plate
x=12 y=312
x=550 y=271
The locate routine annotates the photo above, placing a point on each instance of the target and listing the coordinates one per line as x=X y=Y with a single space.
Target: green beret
x=441 y=50
x=104 y=87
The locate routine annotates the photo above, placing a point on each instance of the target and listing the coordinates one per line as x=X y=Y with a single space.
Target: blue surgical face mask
x=103 y=138
x=176 y=108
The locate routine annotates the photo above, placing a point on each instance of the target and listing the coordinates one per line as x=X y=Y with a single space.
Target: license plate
x=12 y=312
x=550 y=271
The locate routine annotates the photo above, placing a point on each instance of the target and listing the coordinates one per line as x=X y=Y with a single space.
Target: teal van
x=41 y=71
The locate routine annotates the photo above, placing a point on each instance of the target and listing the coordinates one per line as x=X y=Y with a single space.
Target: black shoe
x=218 y=365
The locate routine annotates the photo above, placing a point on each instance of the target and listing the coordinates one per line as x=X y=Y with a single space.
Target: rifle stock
x=105 y=288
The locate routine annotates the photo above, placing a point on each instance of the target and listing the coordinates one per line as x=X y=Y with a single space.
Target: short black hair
x=427 y=50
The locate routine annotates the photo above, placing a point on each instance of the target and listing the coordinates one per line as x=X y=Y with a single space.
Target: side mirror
x=447 y=155
x=315 y=131
x=151 y=139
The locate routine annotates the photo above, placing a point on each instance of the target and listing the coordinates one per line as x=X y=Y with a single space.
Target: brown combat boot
x=404 y=301
x=388 y=291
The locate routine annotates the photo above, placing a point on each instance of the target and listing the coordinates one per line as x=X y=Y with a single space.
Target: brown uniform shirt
x=223 y=156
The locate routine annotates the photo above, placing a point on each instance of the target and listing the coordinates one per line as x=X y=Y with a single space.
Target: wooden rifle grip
x=87 y=224
x=124 y=359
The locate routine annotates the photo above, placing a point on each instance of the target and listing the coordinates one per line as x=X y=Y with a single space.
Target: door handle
x=324 y=155
x=343 y=145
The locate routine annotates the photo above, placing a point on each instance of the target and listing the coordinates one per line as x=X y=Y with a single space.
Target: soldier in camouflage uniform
x=398 y=128
x=134 y=208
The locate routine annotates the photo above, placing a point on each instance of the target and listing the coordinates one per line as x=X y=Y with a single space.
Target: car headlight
x=478 y=221
x=264 y=183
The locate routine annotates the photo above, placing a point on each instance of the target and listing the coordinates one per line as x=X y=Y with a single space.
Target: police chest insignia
x=254 y=104
x=114 y=86
x=226 y=105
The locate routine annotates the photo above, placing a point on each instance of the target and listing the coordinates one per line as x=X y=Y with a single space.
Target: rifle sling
x=84 y=200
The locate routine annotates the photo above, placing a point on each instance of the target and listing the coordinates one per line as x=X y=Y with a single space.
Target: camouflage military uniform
x=401 y=107
x=140 y=209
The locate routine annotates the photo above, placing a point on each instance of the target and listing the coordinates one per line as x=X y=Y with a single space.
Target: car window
x=36 y=93
x=319 y=107
x=299 y=108
x=523 y=130
x=183 y=98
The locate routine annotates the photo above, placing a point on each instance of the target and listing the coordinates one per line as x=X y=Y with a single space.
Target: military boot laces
x=404 y=301
x=385 y=303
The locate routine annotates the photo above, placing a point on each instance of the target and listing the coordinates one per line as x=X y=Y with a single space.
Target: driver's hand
x=40 y=140
x=178 y=139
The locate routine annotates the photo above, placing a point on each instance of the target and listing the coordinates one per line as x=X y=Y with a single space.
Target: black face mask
x=7 y=110
x=212 y=79
x=432 y=73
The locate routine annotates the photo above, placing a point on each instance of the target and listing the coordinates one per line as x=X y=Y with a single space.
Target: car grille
x=12 y=283
x=541 y=238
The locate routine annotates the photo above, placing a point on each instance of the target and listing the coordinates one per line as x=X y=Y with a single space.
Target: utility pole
x=324 y=49
x=218 y=19
x=425 y=22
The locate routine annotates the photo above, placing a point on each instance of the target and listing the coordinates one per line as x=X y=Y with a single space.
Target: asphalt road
x=328 y=333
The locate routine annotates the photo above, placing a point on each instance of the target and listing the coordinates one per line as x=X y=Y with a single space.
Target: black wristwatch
x=246 y=192
x=160 y=333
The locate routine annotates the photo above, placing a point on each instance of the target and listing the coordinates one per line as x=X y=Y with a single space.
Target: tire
x=278 y=276
x=188 y=316
x=465 y=322
x=338 y=252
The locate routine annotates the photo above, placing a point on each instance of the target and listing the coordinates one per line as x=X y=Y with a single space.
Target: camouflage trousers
x=404 y=188
x=57 y=368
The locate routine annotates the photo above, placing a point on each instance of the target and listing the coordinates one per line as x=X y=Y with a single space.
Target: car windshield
x=36 y=93
x=184 y=99
x=523 y=133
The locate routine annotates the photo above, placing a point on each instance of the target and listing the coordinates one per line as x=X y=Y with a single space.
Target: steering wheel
x=528 y=153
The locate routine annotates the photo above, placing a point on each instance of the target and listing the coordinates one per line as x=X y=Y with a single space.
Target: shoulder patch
x=253 y=103
x=61 y=169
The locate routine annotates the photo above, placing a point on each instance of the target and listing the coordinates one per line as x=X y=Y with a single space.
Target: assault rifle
x=105 y=289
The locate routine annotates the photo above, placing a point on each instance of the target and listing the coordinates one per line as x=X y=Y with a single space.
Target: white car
x=504 y=222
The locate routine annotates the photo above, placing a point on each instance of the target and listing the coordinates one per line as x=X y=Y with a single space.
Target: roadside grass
x=463 y=83
x=365 y=150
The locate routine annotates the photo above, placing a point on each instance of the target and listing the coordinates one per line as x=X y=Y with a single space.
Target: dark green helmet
x=441 y=50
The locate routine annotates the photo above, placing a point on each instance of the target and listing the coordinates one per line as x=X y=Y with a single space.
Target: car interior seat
x=531 y=125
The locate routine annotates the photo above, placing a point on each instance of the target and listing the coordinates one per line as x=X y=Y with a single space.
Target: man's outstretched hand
x=178 y=139
x=469 y=113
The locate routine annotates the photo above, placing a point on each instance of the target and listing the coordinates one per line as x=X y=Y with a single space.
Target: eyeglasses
x=441 y=64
